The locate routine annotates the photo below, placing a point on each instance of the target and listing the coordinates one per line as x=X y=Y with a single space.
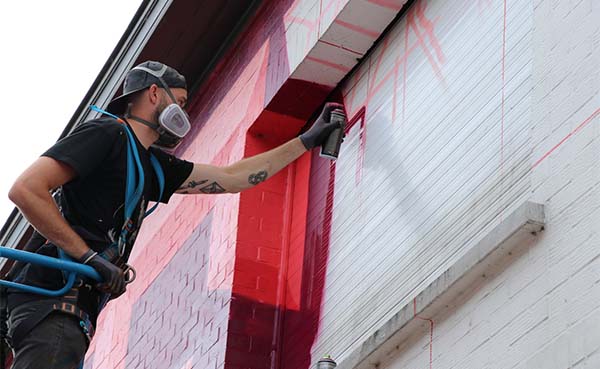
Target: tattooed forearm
x=257 y=178
x=212 y=188
x=193 y=184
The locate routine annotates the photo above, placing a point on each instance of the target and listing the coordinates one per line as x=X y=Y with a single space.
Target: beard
x=161 y=106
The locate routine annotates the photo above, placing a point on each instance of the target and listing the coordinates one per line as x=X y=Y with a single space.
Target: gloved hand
x=318 y=133
x=113 y=277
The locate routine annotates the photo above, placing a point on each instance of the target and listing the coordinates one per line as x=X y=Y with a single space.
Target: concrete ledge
x=514 y=231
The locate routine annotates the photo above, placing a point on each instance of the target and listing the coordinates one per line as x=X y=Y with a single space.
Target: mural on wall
x=441 y=154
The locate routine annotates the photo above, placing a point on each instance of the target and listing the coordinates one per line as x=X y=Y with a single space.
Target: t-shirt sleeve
x=176 y=172
x=85 y=148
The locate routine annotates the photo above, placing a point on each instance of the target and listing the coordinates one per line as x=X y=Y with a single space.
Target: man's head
x=145 y=89
x=155 y=94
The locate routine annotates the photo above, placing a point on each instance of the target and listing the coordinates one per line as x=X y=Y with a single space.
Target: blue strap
x=135 y=178
x=95 y=108
x=132 y=200
x=63 y=263
x=160 y=175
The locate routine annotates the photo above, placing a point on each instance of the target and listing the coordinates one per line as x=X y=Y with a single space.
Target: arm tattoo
x=212 y=188
x=257 y=178
x=193 y=184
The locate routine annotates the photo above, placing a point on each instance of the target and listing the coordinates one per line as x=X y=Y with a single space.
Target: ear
x=153 y=94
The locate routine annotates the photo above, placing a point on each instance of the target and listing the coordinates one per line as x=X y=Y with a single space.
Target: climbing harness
x=117 y=252
x=134 y=188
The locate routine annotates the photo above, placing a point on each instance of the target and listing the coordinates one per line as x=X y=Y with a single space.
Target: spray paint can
x=331 y=147
x=326 y=363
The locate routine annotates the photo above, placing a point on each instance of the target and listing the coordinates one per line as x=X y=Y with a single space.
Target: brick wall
x=196 y=245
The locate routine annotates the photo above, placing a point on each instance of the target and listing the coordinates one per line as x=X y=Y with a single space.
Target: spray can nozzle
x=326 y=363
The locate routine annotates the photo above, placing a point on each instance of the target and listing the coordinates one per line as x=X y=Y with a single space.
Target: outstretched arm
x=244 y=174
x=251 y=171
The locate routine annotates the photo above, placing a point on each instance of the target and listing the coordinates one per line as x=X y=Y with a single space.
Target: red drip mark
x=387 y=4
x=359 y=116
x=350 y=101
x=341 y=47
x=571 y=134
x=359 y=29
x=329 y=64
x=361 y=151
x=430 y=332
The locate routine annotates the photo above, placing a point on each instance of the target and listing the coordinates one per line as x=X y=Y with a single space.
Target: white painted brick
x=433 y=183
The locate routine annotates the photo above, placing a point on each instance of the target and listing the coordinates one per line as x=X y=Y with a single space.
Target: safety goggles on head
x=173 y=121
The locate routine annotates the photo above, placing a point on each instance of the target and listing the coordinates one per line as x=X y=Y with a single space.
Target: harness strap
x=133 y=189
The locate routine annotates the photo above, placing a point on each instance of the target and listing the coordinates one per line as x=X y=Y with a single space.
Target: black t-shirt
x=93 y=202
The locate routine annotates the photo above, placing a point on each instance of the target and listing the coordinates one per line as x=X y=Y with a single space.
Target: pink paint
x=571 y=134
x=329 y=64
x=359 y=117
x=428 y=28
x=378 y=61
x=359 y=29
x=412 y=24
x=387 y=4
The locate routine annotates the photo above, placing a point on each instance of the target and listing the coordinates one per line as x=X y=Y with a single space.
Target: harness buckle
x=128 y=226
x=129 y=273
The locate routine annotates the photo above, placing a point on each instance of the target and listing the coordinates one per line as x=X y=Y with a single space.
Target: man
x=94 y=225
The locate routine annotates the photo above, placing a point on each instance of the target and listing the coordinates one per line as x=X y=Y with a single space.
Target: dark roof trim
x=229 y=42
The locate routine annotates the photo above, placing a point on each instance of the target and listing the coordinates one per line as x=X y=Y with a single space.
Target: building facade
x=458 y=228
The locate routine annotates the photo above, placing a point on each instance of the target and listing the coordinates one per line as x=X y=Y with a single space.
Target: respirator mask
x=173 y=122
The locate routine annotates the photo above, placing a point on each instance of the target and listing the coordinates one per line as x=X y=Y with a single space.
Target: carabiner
x=129 y=274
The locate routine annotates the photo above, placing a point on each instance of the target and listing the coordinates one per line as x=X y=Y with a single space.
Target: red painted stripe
x=427 y=26
x=432 y=61
x=359 y=117
x=329 y=64
x=372 y=80
x=359 y=29
x=387 y=4
x=571 y=134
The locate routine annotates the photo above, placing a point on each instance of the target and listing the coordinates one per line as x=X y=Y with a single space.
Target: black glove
x=318 y=133
x=113 y=278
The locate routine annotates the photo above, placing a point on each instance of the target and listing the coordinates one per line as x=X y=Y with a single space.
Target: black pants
x=58 y=342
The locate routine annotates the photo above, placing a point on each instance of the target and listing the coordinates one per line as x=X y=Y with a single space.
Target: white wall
x=497 y=108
